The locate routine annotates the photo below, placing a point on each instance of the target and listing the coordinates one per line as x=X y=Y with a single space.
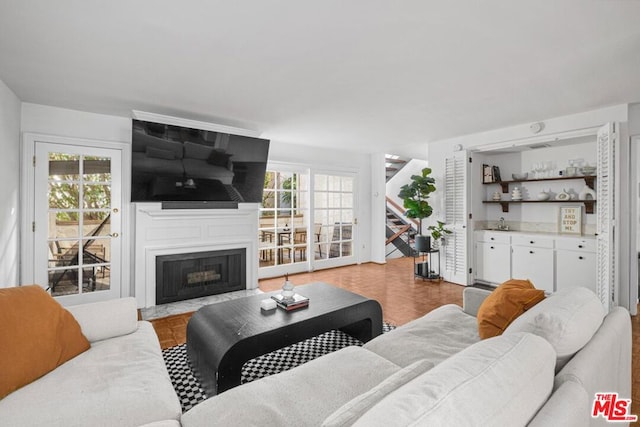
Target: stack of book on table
x=297 y=301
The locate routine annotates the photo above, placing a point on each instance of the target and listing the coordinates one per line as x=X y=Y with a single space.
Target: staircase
x=393 y=164
x=399 y=233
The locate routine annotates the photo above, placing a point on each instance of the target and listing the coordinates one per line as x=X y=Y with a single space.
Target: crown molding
x=194 y=124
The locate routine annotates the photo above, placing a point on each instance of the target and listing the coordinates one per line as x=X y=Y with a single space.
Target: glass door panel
x=283 y=228
x=333 y=216
x=81 y=213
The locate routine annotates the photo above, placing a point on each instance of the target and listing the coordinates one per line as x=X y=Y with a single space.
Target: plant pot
x=423 y=243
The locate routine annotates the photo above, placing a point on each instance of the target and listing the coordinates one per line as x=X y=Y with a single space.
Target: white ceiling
x=369 y=75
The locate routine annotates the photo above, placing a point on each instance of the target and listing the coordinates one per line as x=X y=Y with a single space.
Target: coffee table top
x=242 y=317
x=222 y=337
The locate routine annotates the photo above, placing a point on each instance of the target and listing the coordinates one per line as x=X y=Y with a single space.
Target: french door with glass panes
x=306 y=221
x=334 y=223
x=77 y=219
x=284 y=220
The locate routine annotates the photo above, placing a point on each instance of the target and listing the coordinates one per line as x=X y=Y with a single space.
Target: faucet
x=501 y=225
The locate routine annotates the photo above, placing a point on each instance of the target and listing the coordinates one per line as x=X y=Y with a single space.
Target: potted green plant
x=438 y=232
x=415 y=196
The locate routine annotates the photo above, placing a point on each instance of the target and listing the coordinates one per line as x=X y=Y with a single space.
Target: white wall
x=9 y=190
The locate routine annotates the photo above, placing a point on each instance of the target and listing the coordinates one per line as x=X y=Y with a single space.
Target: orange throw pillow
x=36 y=336
x=504 y=304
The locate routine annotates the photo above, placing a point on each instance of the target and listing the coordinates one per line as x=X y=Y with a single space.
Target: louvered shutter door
x=605 y=284
x=455 y=216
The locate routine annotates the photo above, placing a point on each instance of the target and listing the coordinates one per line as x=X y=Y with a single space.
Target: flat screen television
x=192 y=168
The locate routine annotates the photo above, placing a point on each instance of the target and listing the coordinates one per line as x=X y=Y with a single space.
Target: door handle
x=113 y=235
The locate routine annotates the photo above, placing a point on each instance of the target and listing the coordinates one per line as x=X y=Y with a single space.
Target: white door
x=606 y=217
x=334 y=221
x=77 y=221
x=454 y=253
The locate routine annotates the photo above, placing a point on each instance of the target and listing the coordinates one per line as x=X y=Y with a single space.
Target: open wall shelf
x=589 y=204
x=589 y=180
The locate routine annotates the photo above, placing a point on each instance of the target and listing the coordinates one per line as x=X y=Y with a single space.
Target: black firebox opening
x=185 y=276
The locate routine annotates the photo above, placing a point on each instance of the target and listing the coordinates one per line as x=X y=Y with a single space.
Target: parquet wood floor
x=403 y=298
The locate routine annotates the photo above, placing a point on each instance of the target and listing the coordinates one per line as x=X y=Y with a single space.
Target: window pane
x=64 y=195
x=97 y=196
x=63 y=224
x=63 y=253
x=97 y=169
x=333 y=183
x=320 y=183
x=347 y=200
x=64 y=281
x=64 y=167
x=97 y=223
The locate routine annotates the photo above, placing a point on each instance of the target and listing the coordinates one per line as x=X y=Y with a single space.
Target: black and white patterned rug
x=188 y=387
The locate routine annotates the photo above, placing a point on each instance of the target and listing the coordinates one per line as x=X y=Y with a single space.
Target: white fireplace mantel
x=175 y=231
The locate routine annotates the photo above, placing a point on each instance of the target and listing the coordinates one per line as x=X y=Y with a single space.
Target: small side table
x=423 y=265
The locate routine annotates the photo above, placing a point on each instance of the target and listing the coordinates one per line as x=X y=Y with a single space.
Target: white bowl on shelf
x=519 y=176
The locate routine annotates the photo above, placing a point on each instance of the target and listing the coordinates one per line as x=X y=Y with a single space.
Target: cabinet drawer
x=585 y=245
x=493 y=237
x=532 y=241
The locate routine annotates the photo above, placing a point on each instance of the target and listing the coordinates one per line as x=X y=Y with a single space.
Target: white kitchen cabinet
x=533 y=263
x=492 y=257
x=576 y=264
x=551 y=262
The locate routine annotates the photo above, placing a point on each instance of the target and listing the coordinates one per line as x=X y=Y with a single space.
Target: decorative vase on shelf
x=586 y=192
x=516 y=194
x=287 y=289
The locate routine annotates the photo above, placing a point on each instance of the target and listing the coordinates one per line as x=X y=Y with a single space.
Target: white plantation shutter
x=454 y=253
x=605 y=221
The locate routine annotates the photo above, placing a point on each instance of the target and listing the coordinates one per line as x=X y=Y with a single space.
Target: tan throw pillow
x=36 y=335
x=505 y=304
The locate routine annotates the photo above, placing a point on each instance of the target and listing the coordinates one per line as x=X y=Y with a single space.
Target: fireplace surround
x=179 y=232
x=197 y=274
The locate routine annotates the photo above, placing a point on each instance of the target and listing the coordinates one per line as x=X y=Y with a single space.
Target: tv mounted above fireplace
x=192 y=168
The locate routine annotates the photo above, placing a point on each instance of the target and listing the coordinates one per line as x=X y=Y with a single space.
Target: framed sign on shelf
x=571 y=220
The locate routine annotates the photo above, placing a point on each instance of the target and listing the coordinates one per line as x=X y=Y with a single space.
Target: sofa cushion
x=504 y=304
x=356 y=407
x=119 y=382
x=501 y=381
x=304 y=395
x=566 y=319
x=435 y=337
x=36 y=335
x=106 y=319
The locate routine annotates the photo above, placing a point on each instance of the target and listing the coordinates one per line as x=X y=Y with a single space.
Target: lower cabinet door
x=535 y=264
x=493 y=262
x=574 y=269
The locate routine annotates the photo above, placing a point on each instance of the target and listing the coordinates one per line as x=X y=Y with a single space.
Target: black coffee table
x=224 y=336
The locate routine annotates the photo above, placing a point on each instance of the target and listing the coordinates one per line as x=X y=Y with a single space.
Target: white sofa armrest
x=106 y=319
x=472 y=298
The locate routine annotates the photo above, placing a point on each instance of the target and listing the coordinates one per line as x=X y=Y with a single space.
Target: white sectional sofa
x=544 y=370
x=120 y=381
